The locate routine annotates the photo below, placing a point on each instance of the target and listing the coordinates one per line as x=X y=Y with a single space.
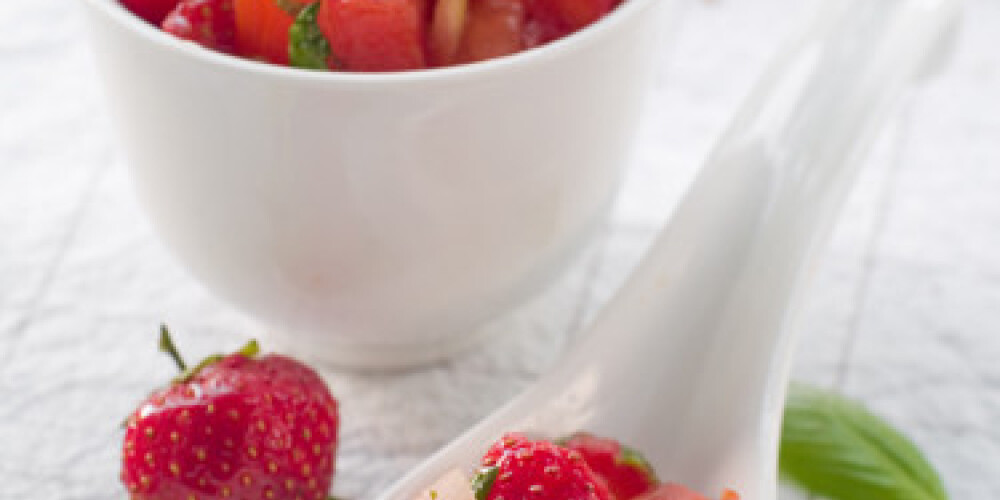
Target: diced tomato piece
x=572 y=14
x=374 y=35
x=262 y=28
x=493 y=29
x=152 y=11
x=210 y=23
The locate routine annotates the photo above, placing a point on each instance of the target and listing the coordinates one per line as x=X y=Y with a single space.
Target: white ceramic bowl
x=375 y=219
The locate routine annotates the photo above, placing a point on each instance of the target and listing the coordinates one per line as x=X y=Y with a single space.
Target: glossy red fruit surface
x=528 y=469
x=572 y=14
x=374 y=35
x=153 y=11
x=243 y=427
x=262 y=28
x=494 y=28
x=210 y=23
x=625 y=471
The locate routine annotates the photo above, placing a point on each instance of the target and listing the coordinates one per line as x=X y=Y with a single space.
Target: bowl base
x=376 y=358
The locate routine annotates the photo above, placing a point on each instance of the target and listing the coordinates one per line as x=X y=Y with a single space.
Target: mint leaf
x=835 y=448
x=307 y=47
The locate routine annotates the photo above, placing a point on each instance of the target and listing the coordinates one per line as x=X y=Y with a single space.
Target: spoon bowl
x=689 y=362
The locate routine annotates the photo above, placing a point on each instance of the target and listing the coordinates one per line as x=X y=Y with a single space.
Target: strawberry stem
x=167 y=346
x=250 y=349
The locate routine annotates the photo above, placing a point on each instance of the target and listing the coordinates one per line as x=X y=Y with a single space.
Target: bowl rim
x=586 y=36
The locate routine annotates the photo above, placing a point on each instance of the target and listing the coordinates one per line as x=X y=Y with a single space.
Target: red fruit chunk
x=262 y=28
x=572 y=14
x=540 y=470
x=674 y=491
x=493 y=29
x=210 y=23
x=539 y=31
x=625 y=471
x=243 y=427
x=374 y=35
x=152 y=11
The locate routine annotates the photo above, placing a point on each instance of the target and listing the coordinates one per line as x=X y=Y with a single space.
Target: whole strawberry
x=625 y=471
x=518 y=468
x=241 y=426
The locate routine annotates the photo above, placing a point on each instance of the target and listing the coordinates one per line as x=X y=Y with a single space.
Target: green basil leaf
x=835 y=448
x=307 y=47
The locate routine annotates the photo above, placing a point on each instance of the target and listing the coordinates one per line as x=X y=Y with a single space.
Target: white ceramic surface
x=689 y=361
x=375 y=219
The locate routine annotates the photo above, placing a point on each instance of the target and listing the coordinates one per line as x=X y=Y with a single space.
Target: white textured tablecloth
x=904 y=313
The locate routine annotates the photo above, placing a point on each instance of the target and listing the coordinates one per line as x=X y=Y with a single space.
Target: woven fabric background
x=903 y=314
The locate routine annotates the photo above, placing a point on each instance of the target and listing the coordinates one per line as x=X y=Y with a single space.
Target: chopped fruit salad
x=370 y=35
x=582 y=467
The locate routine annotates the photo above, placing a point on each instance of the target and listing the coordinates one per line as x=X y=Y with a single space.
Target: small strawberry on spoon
x=238 y=426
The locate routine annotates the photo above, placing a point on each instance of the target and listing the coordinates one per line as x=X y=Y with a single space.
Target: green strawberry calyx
x=166 y=344
x=632 y=458
x=483 y=481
